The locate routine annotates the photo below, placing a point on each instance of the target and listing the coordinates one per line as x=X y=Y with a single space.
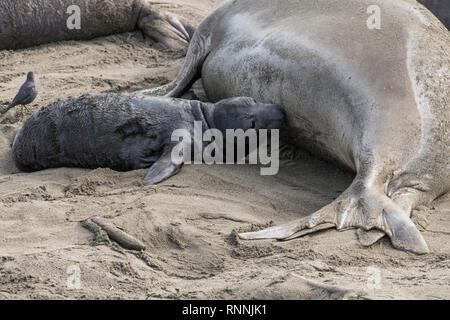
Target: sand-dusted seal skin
x=375 y=100
x=26 y=23
x=126 y=132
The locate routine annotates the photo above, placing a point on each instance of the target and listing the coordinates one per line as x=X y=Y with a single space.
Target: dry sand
x=188 y=223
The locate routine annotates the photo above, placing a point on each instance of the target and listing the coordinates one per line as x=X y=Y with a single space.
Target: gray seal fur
x=125 y=132
x=376 y=101
x=26 y=23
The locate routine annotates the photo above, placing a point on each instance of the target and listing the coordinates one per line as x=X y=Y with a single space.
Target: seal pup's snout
x=246 y=113
x=270 y=116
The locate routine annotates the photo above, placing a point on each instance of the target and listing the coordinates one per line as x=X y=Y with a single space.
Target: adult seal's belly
x=375 y=100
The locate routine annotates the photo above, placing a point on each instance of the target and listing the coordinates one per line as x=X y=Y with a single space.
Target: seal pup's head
x=235 y=113
x=244 y=113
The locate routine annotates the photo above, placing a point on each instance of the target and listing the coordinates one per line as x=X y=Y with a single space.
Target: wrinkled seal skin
x=26 y=23
x=125 y=132
x=440 y=8
x=376 y=101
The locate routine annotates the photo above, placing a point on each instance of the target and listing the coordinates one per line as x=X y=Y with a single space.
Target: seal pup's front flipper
x=164 y=168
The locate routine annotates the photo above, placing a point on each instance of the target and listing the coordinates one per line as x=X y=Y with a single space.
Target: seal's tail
x=369 y=209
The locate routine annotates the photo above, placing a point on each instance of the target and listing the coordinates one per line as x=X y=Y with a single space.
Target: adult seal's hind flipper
x=369 y=211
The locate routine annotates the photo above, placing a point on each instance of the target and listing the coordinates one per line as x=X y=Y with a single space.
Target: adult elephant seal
x=375 y=100
x=124 y=132
x=26 y=23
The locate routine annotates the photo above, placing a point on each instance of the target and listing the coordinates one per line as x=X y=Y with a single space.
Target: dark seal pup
x=126 y=132
x=375 y=100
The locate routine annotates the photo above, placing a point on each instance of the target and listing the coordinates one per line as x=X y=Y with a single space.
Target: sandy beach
x=189 y=222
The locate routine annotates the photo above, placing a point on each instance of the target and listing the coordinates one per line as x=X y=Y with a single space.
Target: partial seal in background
x=26 y=23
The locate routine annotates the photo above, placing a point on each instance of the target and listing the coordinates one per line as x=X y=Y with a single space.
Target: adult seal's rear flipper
x=164 y=168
